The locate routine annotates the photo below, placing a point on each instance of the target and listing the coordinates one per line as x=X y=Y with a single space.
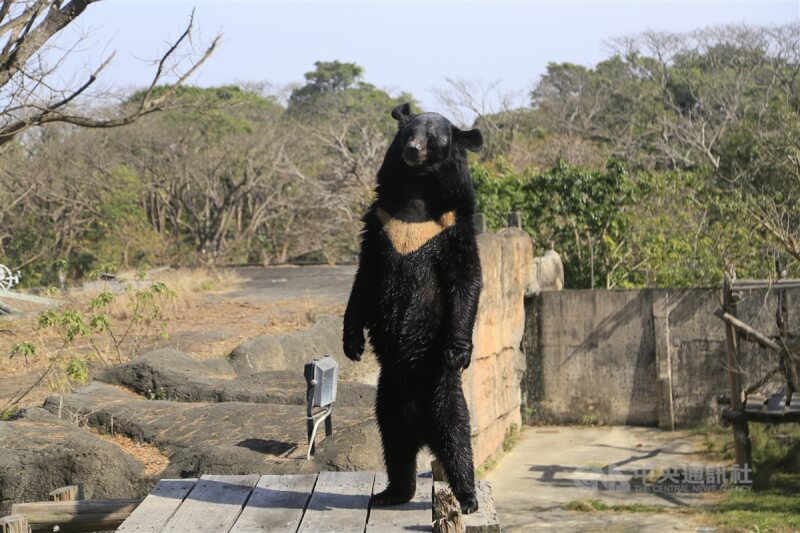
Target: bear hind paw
x=391 y=497
x=469 y=504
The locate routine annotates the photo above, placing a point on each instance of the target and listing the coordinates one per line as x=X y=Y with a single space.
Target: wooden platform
x=774 y=409
x=329 y=501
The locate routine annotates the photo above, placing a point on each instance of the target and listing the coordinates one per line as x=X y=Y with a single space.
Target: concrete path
x=553 y=466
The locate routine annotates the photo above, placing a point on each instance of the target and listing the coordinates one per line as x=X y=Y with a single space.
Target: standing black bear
x=416 y=291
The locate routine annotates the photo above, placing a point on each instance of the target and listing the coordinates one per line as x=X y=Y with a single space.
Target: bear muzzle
x=414 y=153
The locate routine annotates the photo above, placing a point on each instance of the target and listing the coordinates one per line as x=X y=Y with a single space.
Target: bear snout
x=414 y=153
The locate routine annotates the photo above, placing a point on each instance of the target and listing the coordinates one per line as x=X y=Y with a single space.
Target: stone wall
x=492 y=381
x=653 y=357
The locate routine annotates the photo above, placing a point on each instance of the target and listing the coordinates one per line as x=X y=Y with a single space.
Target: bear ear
x=402 y=113
x=472 y=139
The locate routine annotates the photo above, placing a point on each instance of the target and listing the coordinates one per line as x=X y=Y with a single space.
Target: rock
x=546 y=273
x=40 y=453
x=271 y=430
x=352 y=448
x=172 y=375
x=195 y=461
x=357 y=447
x=292 y=351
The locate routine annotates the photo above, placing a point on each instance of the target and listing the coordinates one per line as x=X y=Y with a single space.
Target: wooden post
x=484 y=520
x=479 y=222
x=66 y=494
x=14 y=524
x=782 y=320
x=515 y=219
x=741 y=435
x=80 y=515
x=751 y=334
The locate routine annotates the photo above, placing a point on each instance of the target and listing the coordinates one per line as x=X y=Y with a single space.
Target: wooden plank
x=484 y=520
x=213 y=505
x=79 y=515
x=794 y=405
x=406 y=517
x=66 y=494
x=339 y=503
x=755 y=404
x=14 y=524
x=788 y=417
x=752 y=333
x=776 y=404
x=159 y=505
x=750 y=284
x=276 y=504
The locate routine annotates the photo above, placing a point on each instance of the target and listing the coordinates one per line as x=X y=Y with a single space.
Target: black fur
x=420 y=308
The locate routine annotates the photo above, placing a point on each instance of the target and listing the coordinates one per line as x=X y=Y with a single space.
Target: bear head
x=427 y=139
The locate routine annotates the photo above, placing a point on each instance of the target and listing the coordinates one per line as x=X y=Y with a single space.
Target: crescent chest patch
x=407 y=237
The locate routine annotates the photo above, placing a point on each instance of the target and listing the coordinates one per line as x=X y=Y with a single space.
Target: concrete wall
x=645 y=357
x=492 y=381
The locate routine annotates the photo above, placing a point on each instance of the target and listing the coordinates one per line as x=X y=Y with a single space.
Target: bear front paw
x=459 y=355
x=353 y=345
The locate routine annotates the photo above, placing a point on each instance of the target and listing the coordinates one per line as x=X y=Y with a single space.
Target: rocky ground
x=236 y=415
x=240 y=413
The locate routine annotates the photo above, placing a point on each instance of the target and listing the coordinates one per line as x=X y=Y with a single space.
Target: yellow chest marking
x=407 y=237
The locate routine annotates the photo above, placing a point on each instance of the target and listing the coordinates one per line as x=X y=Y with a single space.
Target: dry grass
x=151 y=457
x=191 y=286
x=237 y=320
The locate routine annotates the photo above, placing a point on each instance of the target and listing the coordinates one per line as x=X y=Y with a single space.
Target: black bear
x=416 y=292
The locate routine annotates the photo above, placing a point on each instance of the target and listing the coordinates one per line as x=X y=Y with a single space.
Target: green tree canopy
x=328 y=77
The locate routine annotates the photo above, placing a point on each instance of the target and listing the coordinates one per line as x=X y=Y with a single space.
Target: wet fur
x=416 y=292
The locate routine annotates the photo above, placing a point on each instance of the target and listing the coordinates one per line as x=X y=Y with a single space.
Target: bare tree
x=487 y=105
x=265 y=192
x=779 y=220
x=706 y=81
x=31 y=92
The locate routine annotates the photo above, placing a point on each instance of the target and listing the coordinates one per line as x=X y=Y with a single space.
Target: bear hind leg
x=451 y=443
x=400 y=457
x=402 y=439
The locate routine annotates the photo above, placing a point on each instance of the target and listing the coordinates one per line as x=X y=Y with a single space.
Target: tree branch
x=53 y=112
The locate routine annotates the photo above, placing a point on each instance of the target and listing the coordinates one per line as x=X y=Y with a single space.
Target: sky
x=411 y=46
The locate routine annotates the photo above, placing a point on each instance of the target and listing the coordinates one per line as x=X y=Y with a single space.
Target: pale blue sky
x=404 y=46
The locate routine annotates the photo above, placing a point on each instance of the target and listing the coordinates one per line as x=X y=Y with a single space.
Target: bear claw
x=353 y=345
x=469 y=504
